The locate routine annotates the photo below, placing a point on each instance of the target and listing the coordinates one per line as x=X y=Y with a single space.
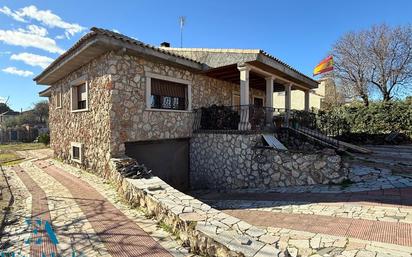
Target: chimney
x=165 y=44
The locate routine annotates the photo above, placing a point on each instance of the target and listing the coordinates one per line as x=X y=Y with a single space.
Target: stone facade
x=91 y=127
x=235 y=161
x=117 y=108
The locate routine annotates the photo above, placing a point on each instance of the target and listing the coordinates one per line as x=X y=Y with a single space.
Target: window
x=80 y=97
x=169 y=95
x=77 y=152
x=58 y=98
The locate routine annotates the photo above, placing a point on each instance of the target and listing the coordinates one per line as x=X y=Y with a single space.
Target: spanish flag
x=324 y=66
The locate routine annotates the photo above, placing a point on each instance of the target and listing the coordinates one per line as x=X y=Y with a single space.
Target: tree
x=4 y=108
x=379 y=58
x=41 y=110
x=351 y=65
x=390 y=54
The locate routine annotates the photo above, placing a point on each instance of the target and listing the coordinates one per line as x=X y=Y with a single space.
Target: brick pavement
x=40 y=211
x=121 y=236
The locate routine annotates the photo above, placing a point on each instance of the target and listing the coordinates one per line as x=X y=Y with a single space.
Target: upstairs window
x=168 y=95
x=80 y=97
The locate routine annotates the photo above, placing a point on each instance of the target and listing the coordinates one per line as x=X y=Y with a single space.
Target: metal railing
x=239 y=117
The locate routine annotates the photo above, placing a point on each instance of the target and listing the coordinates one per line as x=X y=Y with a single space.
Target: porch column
x=269 y=102
x=244 y=97
x=288 y=95
x=307 y=97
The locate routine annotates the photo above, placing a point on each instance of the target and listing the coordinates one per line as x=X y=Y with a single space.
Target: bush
x=44 y=139
x=377 y=118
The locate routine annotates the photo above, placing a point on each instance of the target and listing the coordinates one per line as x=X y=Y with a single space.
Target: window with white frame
x=80 y=97
x=167 y=93
x=58 y=98
x=76 y=152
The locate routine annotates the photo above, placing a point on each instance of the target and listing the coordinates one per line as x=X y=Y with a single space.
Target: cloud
x=5 y=10
x=15 y=71
x=33 y=36
x=46 y=17
x=2 y=99
x=32 y=59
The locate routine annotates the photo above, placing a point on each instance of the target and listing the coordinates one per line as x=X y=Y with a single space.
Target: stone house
x=112 y=95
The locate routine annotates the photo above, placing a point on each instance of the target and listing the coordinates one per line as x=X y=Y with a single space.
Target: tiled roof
x=98 y=31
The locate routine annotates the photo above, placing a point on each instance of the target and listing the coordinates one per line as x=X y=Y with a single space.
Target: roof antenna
x=182 y=22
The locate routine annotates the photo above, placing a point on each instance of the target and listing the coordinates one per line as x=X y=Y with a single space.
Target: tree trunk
x=365 y=100
x=386 y=96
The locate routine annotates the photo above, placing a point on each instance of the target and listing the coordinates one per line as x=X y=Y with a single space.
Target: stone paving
x=74 y=218
x=370 y=217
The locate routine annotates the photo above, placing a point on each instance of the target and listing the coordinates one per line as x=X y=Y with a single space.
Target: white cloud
x=15 y=71
x=33 y=36
x=32 y=59
x=6 y=10
x=46 y=17
x=2 y=99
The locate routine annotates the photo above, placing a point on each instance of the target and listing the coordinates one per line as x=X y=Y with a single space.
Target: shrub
x=44 y=139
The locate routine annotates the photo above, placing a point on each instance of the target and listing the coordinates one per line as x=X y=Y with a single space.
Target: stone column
x=307 y=97
x=288 y=96
x=269 y=102
x=244 y=123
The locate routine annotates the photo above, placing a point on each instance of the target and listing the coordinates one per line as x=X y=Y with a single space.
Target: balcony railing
x=252 y=117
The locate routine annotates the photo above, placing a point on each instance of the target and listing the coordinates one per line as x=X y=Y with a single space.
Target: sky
x=301 y=33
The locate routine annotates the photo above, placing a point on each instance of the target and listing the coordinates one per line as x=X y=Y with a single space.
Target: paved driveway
x=376 y=209
x=86 y=216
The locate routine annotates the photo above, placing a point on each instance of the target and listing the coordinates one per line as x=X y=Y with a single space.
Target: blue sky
x=32 y=33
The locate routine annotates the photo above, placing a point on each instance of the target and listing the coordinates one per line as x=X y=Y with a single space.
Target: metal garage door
x=168 y=159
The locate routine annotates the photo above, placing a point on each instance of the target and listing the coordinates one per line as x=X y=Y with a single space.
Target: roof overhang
x=95 y=46
x=46 y=92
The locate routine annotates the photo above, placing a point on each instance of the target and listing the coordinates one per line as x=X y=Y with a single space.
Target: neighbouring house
x=7 y=115
x=195 y=116
x=319 y=98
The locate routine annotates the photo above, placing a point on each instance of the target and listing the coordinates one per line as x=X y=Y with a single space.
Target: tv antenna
x=182 y=23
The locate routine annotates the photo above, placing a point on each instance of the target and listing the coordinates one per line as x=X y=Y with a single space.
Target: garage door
x=168 y=159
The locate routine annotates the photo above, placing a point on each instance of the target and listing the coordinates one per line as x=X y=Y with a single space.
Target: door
x=168 y=159
x=258 y=102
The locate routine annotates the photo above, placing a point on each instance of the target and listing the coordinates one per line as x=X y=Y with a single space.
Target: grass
x=8 y=152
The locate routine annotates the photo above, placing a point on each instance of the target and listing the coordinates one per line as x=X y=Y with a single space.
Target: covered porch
x=259 y=76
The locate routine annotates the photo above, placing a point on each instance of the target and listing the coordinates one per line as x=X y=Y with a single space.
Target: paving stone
x=268 y=251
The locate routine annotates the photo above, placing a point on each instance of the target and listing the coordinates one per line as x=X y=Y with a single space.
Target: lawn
x=8 y=152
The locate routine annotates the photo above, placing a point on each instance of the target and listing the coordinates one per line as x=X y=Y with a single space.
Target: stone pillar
x=269 y=102
x=288 y=96
x=244 y=123
x=307 y=97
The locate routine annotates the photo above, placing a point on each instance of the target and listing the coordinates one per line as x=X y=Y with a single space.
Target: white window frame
x=149 y=77
x=80 y=146
x=73 y=94
x=59 y=98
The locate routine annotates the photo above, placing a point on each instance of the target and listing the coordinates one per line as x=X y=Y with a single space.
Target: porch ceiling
x=231 y=74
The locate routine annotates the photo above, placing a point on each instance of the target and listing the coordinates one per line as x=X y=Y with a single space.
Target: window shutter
x=168 y=88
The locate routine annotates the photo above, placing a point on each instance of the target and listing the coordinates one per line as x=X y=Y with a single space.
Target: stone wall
x=91 y=127
x=207 y=231
x=232 y=161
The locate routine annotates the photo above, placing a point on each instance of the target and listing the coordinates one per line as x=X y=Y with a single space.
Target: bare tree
x=352 y=69
x=390 y=54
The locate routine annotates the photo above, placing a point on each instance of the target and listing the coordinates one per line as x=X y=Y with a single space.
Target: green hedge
x=377 y=118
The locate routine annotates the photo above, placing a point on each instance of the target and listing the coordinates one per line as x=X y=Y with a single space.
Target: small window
x=168 y=95
x=79 y=97
x=77 y=152
x=58 y=98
